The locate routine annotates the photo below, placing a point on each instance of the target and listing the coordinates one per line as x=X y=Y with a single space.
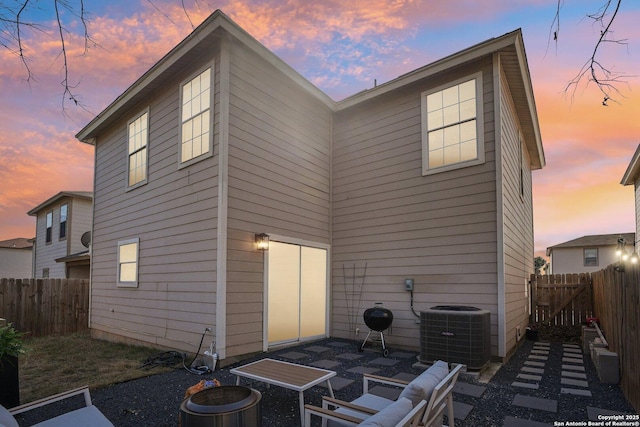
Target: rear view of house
x=63 y=225
x=221 y=144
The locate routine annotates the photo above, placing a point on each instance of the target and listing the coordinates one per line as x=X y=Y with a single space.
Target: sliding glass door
x=296 y=292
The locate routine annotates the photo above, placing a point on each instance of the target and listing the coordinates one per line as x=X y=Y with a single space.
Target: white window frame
x=584 y=257
x=182 y=162
x=480 y=156
x=63 y=224
x=137 y=150
x=131 y=283
x=48 y=229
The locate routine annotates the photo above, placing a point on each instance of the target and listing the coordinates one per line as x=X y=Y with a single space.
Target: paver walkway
x=542 y=384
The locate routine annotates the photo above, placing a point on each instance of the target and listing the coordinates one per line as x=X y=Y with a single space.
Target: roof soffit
x=633 y=170
x=86 y=195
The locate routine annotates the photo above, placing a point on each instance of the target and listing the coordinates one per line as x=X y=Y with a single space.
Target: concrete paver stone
x=549 y=405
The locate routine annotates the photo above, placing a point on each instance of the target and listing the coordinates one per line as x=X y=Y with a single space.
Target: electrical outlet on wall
x=408 y=284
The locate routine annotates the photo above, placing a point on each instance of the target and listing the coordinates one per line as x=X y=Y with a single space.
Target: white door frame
x=299 y=242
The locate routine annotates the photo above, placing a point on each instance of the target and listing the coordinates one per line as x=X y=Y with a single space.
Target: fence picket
x=616 y=298
x=43 y=307
x=561 y=299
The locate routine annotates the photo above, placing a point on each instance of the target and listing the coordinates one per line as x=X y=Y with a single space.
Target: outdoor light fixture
x=623 y=256
x=262 y=241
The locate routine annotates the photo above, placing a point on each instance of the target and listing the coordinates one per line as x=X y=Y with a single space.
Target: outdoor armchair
x=434 y=387
x=86 y=416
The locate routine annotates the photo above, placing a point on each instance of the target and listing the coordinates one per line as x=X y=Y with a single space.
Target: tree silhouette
x=593 y=70
x=17 y=17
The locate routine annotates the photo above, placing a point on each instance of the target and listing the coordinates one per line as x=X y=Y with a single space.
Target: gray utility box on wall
x=456 y=334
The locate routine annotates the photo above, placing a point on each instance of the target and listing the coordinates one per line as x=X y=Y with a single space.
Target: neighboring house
x=587 y=254
x=60 y=250
x=427 y=177
x=632 y=177
x=15 y=258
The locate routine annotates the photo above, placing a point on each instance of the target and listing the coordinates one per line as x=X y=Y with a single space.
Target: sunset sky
x=342 y=47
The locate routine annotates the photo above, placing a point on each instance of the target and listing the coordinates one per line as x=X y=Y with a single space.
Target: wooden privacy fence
x=43 y=307
x=561 y=299
x=617 y=306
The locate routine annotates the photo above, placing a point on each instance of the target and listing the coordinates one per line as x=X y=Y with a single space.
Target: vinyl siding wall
x=175 y=217
x=571 y=260
x=78 y=221
x=439 y=229
x=15 y=263
x=279 y=182
x=636 y=193
x=517 y=221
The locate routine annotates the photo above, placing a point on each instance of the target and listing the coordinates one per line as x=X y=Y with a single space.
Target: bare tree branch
x=593 y=70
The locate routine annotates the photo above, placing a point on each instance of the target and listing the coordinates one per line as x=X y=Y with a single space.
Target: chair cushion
x=422 y=387
x=87 y=416
x=6 y=419
x=368 y=400
x=389 y=416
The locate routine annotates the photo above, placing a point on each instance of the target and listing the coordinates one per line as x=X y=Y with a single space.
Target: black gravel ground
x=155 y=400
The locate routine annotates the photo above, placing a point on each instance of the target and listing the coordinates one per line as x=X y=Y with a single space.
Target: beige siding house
x=16 y=258
x=588 y=254
x=59 y=250
x=632 y=177
x=425 y=177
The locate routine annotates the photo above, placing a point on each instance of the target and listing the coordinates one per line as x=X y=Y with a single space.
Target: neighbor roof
x=88 y=195
x=510 y=46
x=17 y=243
x=596 y=240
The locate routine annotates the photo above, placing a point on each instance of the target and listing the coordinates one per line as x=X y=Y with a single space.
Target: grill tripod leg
x=385 y=352
x=364 y=342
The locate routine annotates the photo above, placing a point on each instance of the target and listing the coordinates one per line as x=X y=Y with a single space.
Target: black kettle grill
x=378 y=319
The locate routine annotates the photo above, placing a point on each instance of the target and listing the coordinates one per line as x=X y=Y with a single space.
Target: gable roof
x=87 y=195
x=17 y=243
x=595 y=240
x=192 y=48
x=633 y=170
x=513 y=61
x=510 y=47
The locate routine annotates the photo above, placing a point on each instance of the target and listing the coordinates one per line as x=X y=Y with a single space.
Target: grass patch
x=58 y=363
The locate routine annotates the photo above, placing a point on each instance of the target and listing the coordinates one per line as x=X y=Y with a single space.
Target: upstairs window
x=63 y=222
x=196 y=135
x=138 y=133
x=128 y=263
x=591 y=257
x=49 y=227
x=452 y=127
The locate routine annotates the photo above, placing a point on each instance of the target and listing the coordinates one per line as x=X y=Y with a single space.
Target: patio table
x=284 y=374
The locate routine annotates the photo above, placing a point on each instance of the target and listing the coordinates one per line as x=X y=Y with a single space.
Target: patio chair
x=434 y=387
x=86 y=416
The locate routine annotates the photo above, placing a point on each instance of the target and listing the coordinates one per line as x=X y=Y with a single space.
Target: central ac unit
x=456 y=334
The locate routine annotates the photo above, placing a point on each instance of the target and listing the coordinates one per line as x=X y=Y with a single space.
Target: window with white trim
x=49 y=229
x=452 y=135
x=196 y=136
x=128 y=263
x=591 y=257
x=138 y=132
x=63 y=221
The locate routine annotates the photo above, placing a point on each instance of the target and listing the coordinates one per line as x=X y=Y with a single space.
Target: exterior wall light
x=623 y=256
x=262 y=241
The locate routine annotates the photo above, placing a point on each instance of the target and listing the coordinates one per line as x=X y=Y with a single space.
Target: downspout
x=223 y=172
x=497 y=108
